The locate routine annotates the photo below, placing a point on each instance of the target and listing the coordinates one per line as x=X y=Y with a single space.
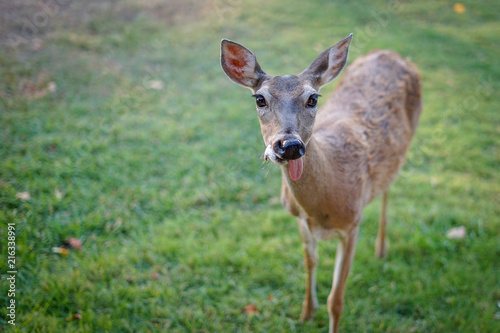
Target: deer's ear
x=240 y=64
x=328 y=65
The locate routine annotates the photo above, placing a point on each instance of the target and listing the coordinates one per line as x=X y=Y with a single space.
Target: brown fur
x=361 y=137
x=355 y=146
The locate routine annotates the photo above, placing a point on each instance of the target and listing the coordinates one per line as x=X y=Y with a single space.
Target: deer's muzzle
x=289 y=149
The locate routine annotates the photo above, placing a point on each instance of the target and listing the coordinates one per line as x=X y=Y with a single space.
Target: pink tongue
x=295 y=168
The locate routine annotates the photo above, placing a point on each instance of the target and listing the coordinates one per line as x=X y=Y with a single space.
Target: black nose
x=289 y=149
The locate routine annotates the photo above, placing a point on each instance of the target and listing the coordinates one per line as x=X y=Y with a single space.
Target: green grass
x=179 y=217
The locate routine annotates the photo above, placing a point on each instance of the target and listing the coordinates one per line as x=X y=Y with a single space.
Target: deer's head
x=286 y=105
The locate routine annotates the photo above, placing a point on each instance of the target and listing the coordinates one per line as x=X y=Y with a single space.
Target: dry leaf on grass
x=24 y=196
x=71 y=243
x=156 y=85
x=58 y=194
x=75 y=316
x=52 y=87
x=38 y=87
x=75 y=243
x=459 y=8
x=251 y=309
x=457 y=233
x=60 y=250
x=434 y=182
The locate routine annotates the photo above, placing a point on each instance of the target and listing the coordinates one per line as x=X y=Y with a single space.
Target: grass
x=147 y=153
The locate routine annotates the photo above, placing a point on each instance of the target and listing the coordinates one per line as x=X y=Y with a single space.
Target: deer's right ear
x=328 y=65
x=240 y=64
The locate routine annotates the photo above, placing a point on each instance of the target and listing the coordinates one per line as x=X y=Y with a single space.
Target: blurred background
x=132 y=169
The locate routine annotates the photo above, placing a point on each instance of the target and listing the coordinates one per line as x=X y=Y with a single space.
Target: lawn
x=119 y=129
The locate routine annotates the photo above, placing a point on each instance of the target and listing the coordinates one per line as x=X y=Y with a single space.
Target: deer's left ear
x=240 y=64
x=328 y=65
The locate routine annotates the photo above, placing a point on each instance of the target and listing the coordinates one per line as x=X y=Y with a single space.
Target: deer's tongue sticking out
x=295 y=168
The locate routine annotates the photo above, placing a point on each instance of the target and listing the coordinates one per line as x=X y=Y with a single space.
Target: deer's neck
x=323 y=193
x=312 y=185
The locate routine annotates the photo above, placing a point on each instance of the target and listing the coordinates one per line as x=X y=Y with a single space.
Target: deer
x=335 y=159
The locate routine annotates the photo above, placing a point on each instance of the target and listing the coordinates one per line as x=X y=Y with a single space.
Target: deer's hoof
x=307 y=312
x=381 y=249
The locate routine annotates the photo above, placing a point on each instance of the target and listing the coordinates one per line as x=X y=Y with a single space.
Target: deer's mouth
x=270 y=155
x=295 y=166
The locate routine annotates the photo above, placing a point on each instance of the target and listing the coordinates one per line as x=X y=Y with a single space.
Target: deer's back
x=368 y=122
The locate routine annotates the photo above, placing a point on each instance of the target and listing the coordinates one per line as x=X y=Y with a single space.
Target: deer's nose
x=289 y=149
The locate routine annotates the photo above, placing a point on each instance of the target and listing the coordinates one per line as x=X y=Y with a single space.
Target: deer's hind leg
x=381 y=242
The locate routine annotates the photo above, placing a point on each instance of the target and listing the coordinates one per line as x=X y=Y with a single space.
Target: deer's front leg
x=311 y=261
x=343 y=260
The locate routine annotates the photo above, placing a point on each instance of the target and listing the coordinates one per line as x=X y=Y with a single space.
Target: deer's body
x=359 y=142
x=337 y=159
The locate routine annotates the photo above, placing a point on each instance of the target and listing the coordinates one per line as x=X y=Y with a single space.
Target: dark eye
x=260 y=101
x=313 y=100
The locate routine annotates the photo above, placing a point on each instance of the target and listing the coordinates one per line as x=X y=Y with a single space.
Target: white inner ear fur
x=249 y=61
x=335 y=65
x=244 y=75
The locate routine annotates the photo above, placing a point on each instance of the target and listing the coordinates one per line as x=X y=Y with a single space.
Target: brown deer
x=337 y=159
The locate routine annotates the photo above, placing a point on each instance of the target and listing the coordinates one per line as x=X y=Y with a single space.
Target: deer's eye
x=313 y=100
x=260 y=101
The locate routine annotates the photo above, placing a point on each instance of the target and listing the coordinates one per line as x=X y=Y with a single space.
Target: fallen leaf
x=75 y=243
x=37 y=88
x=75 y=316
x=459 y=8
x=270 y=297
x=52 y=87
x=156 y=85
x=434 y=181
x=60 y=250
x=251 y=309
x=24 y=196
x=457 y=233
x=58 y=194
